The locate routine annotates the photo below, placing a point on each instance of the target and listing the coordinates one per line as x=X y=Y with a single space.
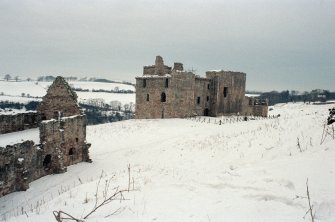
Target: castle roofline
x=201 y=78
x=224 y=71
x=153 y=76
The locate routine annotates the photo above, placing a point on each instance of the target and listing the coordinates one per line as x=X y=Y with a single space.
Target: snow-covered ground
x=184 y=170
x=100 y=85
x=18 y=99
x=12 y=91
x=124 y=98
x=10 y=111
x=18 y=137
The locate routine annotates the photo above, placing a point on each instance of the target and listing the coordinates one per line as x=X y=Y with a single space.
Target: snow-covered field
x=19 y=137
x=13 y=91
x=183 y=170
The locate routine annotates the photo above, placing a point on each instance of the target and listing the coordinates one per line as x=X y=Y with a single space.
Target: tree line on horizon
x=50 y=78
x=315 y=95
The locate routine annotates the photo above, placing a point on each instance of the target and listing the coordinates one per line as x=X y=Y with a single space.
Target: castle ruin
x=166 y=92
x=62 y=140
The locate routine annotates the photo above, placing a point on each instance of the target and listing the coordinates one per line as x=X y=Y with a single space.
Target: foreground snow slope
x=185 y=170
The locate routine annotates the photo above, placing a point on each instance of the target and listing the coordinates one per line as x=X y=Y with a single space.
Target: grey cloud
x=272 y=41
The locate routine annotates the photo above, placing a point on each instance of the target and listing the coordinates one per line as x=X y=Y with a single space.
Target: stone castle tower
x=166 y=92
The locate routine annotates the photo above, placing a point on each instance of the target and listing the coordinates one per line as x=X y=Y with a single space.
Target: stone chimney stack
x=178 y=66
x=159 y=61
x=159 y=66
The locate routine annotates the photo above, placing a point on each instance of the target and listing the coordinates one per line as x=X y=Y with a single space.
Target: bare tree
x=116 y=105
x=7 y=77
x=61 y=216
x=310 y=210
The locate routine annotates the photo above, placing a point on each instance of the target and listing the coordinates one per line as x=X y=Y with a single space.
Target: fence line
x=229 y=120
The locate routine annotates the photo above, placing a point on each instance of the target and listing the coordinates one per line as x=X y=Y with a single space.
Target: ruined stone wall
x=255 y=107
x=201 y=96
x=260 y=110
x=60 y=99
x=179 y=96
x=62 y=143
x=149 y=70
x=227 y=91
x=158 y=69
x=19 y=165
x=178 y=66
x=18 y=122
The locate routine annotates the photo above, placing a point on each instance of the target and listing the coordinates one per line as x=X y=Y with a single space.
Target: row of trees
x=50 y=78
x=13 y=105
x=96 y=110
x=8 y=77
x=295 y=96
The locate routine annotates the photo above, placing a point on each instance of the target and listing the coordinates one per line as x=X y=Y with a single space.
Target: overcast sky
x=280 y=44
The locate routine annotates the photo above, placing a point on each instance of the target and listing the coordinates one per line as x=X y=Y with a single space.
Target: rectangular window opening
x=198 y=100
x=225 y=91
x=144 y=83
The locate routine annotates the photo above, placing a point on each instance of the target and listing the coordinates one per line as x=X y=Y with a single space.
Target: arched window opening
x=163 y=97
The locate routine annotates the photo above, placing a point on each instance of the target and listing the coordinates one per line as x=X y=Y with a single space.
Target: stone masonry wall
x=19 y=165
x=18 y=122
x=182 y=95
x=62 y=143
x=59 y=100
x=179 y=96
x=220 y=93
x=178 y=66
x=255 y=107
x=158 y=69
x=228 y=91
x=201 y=96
